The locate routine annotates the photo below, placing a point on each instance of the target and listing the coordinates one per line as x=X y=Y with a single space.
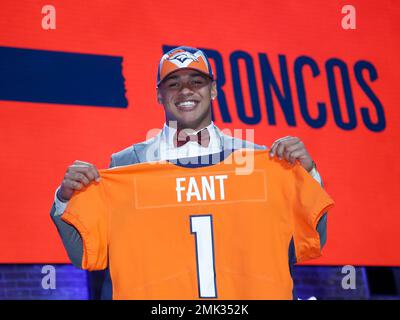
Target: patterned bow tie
x=202 y=137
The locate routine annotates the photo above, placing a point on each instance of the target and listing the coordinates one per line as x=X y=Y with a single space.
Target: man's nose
x=186 y=89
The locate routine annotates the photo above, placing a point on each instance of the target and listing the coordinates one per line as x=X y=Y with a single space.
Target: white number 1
x=202 y=227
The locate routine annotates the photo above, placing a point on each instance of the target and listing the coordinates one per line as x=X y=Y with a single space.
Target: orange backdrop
x=356 y=152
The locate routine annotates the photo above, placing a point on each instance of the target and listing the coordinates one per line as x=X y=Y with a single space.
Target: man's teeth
x=186 y=104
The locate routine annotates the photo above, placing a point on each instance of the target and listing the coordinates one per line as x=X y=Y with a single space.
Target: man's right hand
x=78 y=175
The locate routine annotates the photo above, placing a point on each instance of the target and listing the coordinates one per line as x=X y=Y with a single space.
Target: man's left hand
x=292 y=149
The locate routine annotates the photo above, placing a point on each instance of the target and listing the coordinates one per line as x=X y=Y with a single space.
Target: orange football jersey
x=175 y=231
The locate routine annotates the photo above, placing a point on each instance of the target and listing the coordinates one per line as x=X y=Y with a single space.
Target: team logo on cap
x=182 y=58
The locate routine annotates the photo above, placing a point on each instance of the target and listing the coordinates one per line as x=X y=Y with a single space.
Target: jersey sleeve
x=87 y=212
x=309 y=202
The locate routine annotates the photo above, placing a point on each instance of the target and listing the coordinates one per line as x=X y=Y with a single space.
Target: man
x=185 y=87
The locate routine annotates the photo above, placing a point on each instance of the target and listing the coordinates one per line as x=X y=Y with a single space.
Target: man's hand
x=292 y=149
x=78 y=175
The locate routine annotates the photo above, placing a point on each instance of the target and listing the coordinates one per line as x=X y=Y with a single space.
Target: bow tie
x=182 y=137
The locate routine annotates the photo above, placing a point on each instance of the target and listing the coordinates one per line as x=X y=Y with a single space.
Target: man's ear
x=159 y=96
x=213 y=90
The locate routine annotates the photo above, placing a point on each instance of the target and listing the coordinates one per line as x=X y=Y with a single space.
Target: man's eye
x=173 y=84
x=198 y=82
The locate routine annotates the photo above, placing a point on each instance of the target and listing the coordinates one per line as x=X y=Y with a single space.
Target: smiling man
x=185 y=87
x=186 y=96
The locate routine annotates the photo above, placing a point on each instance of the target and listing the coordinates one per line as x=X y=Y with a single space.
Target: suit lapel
x=149 y=150
x=225 y=140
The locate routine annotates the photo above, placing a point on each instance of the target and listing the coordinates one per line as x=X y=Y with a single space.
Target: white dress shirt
x=168 y=151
